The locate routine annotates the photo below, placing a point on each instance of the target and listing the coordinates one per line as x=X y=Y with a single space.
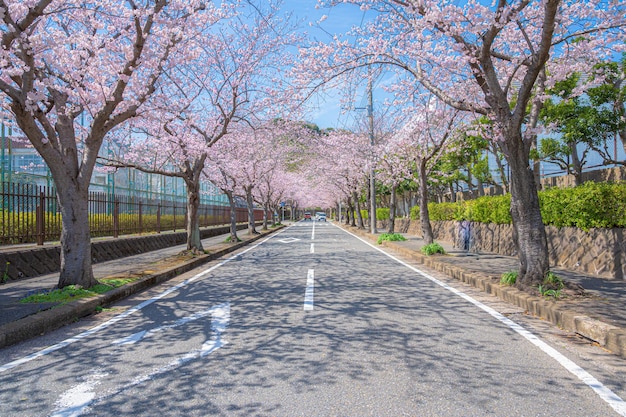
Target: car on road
x=320 y=216
x=307 y=215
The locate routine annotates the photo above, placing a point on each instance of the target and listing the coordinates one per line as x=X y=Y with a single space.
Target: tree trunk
x=71 y=180
x=350 y=213
x=354 y=212
x=355 y=196
x=251 y=221
x=577 y=168
x=427 y=230
x=530 y=231
x=470 y=183
x=503 y=177
x=452 y=193
x=480 y=187
x=392 y=210
x=233 y=217
x=194 y=243
x=266 y=210
x=75 y=237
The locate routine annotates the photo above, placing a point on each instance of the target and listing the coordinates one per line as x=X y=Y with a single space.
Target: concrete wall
x=20 y=263
x=599 y=252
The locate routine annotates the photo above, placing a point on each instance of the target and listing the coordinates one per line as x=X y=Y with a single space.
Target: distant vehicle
x=307 y=215
x=320 y=216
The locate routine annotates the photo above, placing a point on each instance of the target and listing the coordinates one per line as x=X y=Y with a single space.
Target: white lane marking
x=612 y=399
x=313 y=232
x=73 y=402
x=312 y=247
x=308 y=294
x=138 y=307
x=289 y=240
x=76 y=400
x=220 y=316
x=134 y=338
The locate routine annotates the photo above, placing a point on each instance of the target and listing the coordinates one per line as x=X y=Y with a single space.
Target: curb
x=56 y=317
x=610 y=337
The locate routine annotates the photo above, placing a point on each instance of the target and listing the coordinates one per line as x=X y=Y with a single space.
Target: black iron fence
x=31 y=214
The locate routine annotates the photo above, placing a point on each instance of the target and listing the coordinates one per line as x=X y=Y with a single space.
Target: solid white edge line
x=87 y=333
x=612 y=399
x=310 y=287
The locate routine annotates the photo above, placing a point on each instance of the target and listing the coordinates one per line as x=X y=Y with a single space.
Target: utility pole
x=370 y=115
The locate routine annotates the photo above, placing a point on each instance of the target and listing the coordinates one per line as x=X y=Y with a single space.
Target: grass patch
x=100 y=309
x=509 y=278
x=433 y=248
x=229 y=239
x=551 y=286
x=73 y=292
x=64 y=295
x=391 y=237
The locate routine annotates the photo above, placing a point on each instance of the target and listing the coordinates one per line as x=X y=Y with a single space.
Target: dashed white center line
x=308 y=294
x=312 y=247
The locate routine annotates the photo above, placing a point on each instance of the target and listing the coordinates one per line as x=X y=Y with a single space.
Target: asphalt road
x=309 y=322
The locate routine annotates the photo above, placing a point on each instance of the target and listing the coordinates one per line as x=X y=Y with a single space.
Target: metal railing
x=31 y=214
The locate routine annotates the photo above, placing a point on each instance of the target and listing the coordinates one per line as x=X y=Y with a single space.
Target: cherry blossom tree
x=224 y=180
x=274 y=189
x=488 y=58
x=233 y=78
x=260 y=155
x=394 y=167
x=423 y=138
x=61 y=61
x=275 y=162
x=341 y=165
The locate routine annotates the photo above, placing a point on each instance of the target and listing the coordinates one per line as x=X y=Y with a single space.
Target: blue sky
x=326 y=111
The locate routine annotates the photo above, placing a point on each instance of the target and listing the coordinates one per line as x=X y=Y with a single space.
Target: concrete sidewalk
x=600 y=315
x=21 y=321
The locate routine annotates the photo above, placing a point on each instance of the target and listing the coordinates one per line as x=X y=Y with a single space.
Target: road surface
x=311 y=321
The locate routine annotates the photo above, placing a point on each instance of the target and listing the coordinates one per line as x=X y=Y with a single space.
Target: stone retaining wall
x=42 y=260
x=598 y=252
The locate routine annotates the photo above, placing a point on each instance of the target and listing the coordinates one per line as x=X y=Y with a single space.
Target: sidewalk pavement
x=21 y=321
x=600 y=316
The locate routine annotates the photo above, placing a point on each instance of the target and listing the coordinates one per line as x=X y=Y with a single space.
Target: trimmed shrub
x=415 y=213
x=591 y=205
x=489 y=209
x=382 y=213
x=443 y=211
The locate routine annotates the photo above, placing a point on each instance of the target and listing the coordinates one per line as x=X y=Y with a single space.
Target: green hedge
x=591 y=205
x=382 y=213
